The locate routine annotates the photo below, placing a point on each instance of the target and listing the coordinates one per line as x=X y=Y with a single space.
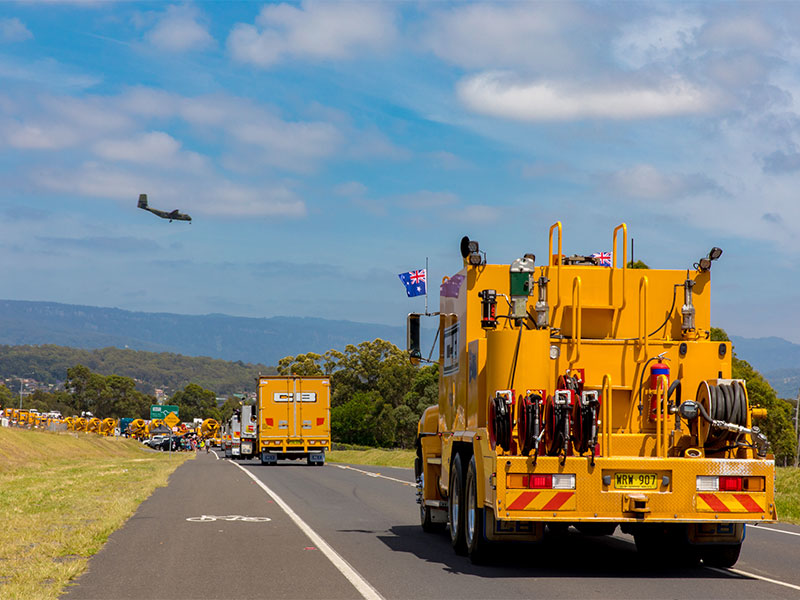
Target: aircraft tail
x=142 y=200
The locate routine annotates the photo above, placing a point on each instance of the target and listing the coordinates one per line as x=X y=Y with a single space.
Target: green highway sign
x=160 y=411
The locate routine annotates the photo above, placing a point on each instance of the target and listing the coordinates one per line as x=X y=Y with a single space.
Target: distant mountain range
x=777 y=359
x=251 y=340
x=267 y=340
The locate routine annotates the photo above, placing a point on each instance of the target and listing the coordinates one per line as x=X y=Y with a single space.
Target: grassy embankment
x=61 y=496
x=379 y=457
x=787 y=494
x=787 y=484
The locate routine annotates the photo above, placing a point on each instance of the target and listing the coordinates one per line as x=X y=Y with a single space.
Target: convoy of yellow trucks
x=577 y=392
x=572 y=393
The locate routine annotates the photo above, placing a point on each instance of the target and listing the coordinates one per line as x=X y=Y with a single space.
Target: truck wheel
x=477 y=544
x=720 y=556
x=455 y=506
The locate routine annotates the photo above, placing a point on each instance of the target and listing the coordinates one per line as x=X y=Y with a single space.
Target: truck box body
x=294 y=418
x=249 y=431
x=610 y=342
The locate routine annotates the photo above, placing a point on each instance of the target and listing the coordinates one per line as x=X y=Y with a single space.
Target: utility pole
x=797 y=429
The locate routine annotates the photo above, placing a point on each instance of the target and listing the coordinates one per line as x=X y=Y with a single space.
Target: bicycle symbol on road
x=211 y=518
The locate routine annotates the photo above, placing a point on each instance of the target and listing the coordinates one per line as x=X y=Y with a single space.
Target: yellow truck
x=585 y=393
x=294 y=418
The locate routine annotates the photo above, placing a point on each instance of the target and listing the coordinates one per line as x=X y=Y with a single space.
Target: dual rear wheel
x=466 y=512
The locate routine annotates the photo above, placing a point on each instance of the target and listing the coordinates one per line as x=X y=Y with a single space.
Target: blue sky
x=324 y=147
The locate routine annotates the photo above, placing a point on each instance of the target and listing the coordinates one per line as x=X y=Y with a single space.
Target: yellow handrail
x=576 y=318
x=606 y=392
x=642 y=337
x=661 y=416
x=556 y=225
x=624 y=229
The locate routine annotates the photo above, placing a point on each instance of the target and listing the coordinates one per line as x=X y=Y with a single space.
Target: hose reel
x=500 y=419
x=723 y=400
x=530 y=415
x=584 y=423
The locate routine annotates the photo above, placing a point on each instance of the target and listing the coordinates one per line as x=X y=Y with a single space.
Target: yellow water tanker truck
x=582 y=392
x=294 y=418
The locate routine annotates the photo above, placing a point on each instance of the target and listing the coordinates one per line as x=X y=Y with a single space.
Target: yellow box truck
x=582 y=392
x=294 y=418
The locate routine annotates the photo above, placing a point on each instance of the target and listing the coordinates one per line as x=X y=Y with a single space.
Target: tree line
x=377 y=396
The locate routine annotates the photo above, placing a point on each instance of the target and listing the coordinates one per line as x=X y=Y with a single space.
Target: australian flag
x=603 y=258
x=415 y=282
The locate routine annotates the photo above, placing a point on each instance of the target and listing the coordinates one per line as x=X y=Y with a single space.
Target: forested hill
x=150 y=370
x=253 y=340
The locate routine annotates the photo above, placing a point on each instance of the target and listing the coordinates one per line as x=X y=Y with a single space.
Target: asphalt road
x=352 y=532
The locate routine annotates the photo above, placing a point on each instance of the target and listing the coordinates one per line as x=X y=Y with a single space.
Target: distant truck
x=248 y=445
x=294 y=418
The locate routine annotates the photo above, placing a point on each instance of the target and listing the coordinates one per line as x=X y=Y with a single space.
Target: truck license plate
x=635 y=481
x=295 y=441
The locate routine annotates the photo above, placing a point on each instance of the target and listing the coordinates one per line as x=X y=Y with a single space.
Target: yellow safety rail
x=576 y=318
x=643 y=283
x=606 y=391
x=556 y=225
x=624 y=229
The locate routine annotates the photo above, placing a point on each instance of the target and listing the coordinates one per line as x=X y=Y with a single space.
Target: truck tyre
x=721 y=556
x=474 y=517
x=455 y=506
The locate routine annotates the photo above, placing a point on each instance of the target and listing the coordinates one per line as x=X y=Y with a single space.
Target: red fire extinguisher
x=657 y=370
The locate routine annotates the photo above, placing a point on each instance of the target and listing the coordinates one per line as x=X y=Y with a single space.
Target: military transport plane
x=172 y=216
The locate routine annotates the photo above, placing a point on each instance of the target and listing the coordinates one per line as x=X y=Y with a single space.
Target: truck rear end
x=294 y=418
x=248 y=446
x=585 y=393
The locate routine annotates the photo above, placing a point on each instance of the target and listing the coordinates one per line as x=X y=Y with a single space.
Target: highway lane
x=371 y=521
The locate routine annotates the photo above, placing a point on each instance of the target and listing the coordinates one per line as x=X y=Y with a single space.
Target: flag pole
x=426 y=286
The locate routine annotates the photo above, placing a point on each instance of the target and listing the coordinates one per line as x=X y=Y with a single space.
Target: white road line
x=215 y=454
x=754 y=576
x=371 y=474
x=362 y=585
x=778 y=530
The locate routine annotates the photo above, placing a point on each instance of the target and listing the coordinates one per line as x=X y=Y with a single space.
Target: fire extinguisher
x=659 y=368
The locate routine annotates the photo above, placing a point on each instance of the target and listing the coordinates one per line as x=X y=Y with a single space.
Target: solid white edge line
x=215 y=454
x=354 y=577
x=778 y=530
x=754 y=576
x=371 y=474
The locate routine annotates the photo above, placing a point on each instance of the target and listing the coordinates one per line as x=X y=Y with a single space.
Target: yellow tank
x=107 y=427
x=576 y=393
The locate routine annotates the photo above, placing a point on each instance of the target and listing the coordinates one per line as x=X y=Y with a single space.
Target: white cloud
x=315 y=30
x=180 y=30
x=656 y=39
x=738 y=32
x=532 y=35
x=155 y=148
x=647 y=182
x=14 y=30
x=503 y=95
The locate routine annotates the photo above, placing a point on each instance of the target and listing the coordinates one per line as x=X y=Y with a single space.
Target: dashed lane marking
x=354 y=577
x=754 y=576
x=371 y=474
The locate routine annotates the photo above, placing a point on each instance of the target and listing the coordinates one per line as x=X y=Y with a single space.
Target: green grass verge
x=787 y=494
x=374 y=456
x=61 y=496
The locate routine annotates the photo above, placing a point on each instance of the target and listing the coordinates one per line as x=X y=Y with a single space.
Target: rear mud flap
x=511 y=531
x=701 y=534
